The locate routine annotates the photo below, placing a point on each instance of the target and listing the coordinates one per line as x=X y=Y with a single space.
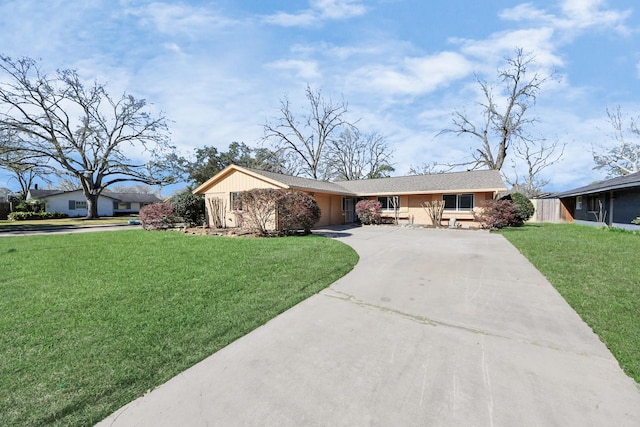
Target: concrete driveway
x=431 y=328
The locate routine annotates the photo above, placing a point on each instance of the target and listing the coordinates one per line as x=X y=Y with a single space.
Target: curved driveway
x=431 y=328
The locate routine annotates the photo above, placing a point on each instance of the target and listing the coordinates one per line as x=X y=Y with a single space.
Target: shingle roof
x=617 y=183
x=489 y=180
x=484 y=180
x=40 y=194
x=121 y=197
x=302 y=183
x=133 y=197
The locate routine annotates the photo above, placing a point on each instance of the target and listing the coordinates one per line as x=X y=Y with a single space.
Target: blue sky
x=219 y=68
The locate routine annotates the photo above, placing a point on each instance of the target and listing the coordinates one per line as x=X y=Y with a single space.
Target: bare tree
x=81 y=130
x=429 y=168
x=136 y=188
x=354 y=155
x=68 y=184
x=25 y=167
x=504 y=122
x=537 y=157
x=624 y=158
x=307 y=139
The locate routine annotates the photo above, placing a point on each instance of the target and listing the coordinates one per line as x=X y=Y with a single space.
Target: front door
x=349 y=210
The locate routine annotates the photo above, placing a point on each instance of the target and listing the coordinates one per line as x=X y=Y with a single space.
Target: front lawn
x=62 y=222
x=91 y=321
x=598 y=272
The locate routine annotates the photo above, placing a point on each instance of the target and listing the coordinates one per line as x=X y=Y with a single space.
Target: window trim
x=393 y=199
x=579 y=203
x=233 y=195
x=458 y=198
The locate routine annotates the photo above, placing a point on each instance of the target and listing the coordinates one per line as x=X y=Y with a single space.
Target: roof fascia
x=414 y=193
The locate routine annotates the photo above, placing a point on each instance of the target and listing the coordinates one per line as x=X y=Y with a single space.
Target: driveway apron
x=431 y=328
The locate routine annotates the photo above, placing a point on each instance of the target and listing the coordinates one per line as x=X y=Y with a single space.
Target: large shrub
x=190 y=207
x=261 y=206
x=498 y=214
x=297 y=210
x=256 y=209
x=158 y=216
x=369 y=211
x=524 y=205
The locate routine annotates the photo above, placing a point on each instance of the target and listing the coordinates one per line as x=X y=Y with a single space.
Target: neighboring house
x=401 y=197
x=74 y=204
x=614 y=202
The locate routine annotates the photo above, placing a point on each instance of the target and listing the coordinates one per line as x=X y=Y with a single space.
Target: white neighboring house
x=74 y=204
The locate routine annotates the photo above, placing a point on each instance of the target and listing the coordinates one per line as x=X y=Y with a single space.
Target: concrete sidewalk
x=431 y=328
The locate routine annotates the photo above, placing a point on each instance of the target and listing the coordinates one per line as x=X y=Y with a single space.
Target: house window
x=579 y=203
x=389 y=203
x=236 y=205
x=77 y=204
x=594 y=205
x=458 y=202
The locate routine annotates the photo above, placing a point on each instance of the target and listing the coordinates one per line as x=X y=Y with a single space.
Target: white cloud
x=339 y=9
x=583 y=14
x=178 y=18
x=304 y=70
x=321 y=10
x=575 y=16
x=414 y=75
x=490 y=52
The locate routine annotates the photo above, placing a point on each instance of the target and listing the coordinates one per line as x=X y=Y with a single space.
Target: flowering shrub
x=158 y=216
x=297 y=210
x=261 y=206
x=369 y=211
x=498 y=214
x=258 y=208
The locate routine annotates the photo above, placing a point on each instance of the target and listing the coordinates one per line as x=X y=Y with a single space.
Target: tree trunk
x=92 y=206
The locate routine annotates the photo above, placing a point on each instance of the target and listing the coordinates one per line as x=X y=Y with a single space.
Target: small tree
x=158 y=216
x=369 y=211
x=190 y=207
x=297 y=210
x=496 y=214
x=434 y=210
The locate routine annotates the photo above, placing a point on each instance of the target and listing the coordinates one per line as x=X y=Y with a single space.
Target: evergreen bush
x=27 y=216
x=190 y=207
x=525 y=207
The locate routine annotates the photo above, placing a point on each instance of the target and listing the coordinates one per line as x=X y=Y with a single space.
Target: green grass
x=597 y=271
x=63 y=222
x=91 y=321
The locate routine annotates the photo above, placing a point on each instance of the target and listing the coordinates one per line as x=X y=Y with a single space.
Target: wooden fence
x=550 y=210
